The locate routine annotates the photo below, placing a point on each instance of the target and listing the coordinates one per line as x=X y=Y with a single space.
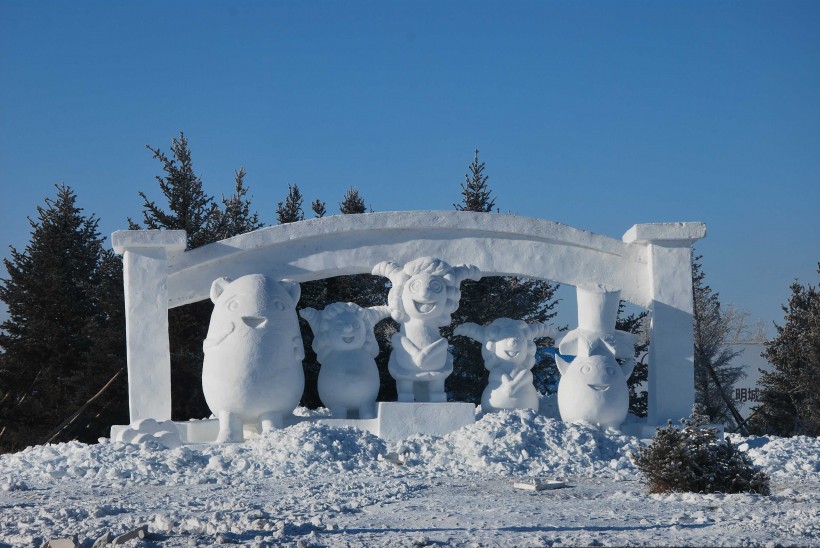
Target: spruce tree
x=715 y=376
x=59 y=344
x=637 y=323
x=493 y=297
x=352 y=203
x=790 y=398
x=188 y=208
x=291 y=210
x=318 y=207
x=235 y=218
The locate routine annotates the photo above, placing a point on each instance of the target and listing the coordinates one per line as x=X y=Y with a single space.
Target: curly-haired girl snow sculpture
x=508 y=349
x=425 y=292
x=346 y=347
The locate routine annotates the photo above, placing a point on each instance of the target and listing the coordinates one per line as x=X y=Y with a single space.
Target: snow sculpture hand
x=508 y=349
x=346 y=347
x=252 y=373
x=425 y=292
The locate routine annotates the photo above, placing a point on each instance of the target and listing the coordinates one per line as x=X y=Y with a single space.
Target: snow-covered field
x=315 y=485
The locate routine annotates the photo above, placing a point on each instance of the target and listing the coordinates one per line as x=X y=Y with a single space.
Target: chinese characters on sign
x=747 y=394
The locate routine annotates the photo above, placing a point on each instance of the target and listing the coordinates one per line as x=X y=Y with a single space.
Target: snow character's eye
x=416 y=286
x=610 y=370
x=435 y=285
x=278 y=305
x=585 y=369
x=233 y=304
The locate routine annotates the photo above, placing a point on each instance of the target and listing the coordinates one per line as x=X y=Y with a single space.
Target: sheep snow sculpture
x=346 y=347
x=508 y=349
x=252 y=371
x=425 y=292
x=593 y=385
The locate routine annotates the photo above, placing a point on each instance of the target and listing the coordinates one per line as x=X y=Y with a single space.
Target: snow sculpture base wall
x=395 y=421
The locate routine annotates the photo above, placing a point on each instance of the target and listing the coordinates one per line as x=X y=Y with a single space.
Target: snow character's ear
x=465 y=272
x=313 y=317
x=389 y=270
x=563 y=366
x=471 y=330
x=217 y=287
x=541 y=330
x=375 y=314
x=293 y=289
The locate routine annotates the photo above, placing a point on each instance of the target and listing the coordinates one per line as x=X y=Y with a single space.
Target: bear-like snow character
x=425 y=292
x=508 y=349
x=593 y=385
x=252 y=373
x=346 y=347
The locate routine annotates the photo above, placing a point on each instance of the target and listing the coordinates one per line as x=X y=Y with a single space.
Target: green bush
x=691 y=459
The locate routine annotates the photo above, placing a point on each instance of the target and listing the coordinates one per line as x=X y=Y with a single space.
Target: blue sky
x=599 y=115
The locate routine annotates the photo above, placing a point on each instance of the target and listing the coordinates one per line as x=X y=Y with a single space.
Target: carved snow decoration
x=252 y=371
x=508 y=349
x=346 y=347
x=593 y=385
x=425 y=292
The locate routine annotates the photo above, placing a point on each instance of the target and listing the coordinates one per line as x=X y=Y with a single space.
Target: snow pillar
x=145 y=277
x=671 y=389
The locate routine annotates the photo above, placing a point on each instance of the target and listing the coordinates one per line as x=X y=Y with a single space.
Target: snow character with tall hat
x=593 y=385
x=425 y=292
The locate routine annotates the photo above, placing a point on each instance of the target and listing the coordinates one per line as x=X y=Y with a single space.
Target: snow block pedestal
x=401 y=420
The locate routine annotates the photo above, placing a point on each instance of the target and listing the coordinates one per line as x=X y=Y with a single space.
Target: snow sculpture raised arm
x=508 y=349
x=593 y=385
x=252 y=371
x=346 y=347
x=425 y=292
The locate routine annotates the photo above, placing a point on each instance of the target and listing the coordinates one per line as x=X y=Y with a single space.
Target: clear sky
x=598 y=115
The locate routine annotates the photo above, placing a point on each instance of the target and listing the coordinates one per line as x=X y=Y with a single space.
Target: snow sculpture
x=346 y=347
x=593 y=385
x=425 y=292
x=252 y=371
x=164 y=433
x=508 y=349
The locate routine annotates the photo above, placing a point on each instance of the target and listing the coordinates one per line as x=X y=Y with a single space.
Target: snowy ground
x=315 y=485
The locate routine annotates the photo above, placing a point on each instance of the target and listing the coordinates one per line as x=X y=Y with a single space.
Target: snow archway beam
x=650 y=265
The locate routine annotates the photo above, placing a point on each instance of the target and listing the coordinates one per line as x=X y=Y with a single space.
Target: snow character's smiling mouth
x=349 y=339
x=424 y=308
x=512 y=353
x=599 y=387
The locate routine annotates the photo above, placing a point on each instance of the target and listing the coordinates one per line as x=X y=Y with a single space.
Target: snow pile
x=522 y=442
x=797 y=457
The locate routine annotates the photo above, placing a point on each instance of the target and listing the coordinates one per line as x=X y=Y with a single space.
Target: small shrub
x=691 y=459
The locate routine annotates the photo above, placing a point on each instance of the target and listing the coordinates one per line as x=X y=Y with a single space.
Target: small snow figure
x=508 y=349
x=346 y=347
x=425 y=292
x=252 y=371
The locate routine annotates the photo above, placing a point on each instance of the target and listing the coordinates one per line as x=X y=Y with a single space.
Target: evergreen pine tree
x=790 y=399
x=493 y=297
x=58 y=342
x=236 y=217
x=352 y=203
x=715 y=377
x=318 y=207
x=637 y=323
x=188 y=208
x=291 y=210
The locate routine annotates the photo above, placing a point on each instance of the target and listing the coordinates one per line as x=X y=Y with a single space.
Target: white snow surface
x=317 y=485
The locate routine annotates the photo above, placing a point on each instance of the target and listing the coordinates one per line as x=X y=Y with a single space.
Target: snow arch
x=650 y=266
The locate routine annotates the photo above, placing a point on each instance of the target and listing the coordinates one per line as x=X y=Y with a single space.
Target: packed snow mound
x=522 y=442
x=506 y=444
x=797 y=457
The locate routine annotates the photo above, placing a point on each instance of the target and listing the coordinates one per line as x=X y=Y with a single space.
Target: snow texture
x=313 y=484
